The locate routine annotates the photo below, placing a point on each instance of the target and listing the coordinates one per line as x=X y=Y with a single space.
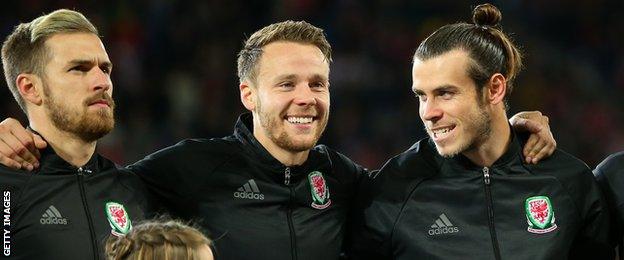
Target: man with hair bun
x=465 y=192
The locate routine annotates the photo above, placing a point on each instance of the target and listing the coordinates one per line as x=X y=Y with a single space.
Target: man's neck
x=68 y=146
x=494 y=146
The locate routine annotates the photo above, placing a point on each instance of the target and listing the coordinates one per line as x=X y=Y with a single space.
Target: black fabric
x=424 y=206
x=202 y=179
x=610 y=175
x=78 y=195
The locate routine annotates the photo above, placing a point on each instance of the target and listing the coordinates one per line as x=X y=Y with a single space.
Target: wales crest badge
x=319 y=190
x=540 y=215
x=118 y=219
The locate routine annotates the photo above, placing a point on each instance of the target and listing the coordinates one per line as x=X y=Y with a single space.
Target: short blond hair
x=289 y=31
x=24 y=50
x=157 y=239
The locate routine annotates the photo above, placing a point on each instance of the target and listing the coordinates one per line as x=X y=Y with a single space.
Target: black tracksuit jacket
x=60 y=212
x=253 y=206
x=610 y=175
x=423 y=206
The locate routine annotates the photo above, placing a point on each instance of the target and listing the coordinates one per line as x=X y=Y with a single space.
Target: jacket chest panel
x=51 y=212
x=450 y=215
x=255 y=209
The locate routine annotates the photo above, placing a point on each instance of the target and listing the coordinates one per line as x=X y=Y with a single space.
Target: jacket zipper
x=85 y=205
x=488 y=198
x=291 y=228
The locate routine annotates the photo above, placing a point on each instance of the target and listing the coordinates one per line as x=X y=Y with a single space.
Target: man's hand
x=541 y=143
x=19 y=148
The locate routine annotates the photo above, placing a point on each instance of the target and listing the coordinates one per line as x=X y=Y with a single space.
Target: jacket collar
x=243 y=132
x=512 y=156
x=52 y=164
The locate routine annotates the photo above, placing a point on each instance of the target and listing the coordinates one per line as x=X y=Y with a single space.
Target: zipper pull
x=287 y=176
x=82 y=171
x=486 y=175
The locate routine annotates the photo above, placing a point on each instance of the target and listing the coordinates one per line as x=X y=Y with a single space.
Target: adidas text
x=55 y=221
x=248 y=195
x=444 y=230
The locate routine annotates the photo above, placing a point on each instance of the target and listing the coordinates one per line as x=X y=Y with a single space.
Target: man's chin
x=301 y=146
x=298 y=145
x=447 y=151
x=95 y=130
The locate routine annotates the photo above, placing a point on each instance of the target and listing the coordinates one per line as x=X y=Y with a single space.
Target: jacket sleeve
x=610 y=177
x=11 y=185
x=380 y=199
x=175 y=175
x=592 y=242
x=372 y=221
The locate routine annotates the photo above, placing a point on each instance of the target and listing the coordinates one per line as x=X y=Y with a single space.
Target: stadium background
x=175 y=69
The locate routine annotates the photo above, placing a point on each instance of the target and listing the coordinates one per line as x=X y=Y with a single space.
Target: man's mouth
x=441 y=132
x=299 y=120
x=100 y=102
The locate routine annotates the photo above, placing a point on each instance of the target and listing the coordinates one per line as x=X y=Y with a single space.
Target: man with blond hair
x=59 y=74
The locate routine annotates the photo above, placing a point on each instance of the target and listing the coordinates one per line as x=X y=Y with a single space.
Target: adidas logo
x=52 y=217
x=442 y=225
x=249 y=191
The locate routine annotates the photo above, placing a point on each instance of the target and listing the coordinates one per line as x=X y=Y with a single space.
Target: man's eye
x=317 y=85
x=286 y=85
x=79 y=68
x=446 y=94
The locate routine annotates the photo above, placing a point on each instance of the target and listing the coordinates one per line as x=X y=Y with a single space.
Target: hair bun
x=486 y=15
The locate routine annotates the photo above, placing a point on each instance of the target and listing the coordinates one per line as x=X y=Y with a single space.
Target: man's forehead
x=450 y=68
x=65 y=47
x=289 y=59
x=451 y=61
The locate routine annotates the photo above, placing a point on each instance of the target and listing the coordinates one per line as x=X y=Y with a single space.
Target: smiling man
x=59 y=73
x=267 y=191
x=465 y=191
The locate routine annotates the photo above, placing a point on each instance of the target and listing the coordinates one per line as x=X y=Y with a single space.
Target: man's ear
x=247 y=95
x=496 y=89
x=30 y=88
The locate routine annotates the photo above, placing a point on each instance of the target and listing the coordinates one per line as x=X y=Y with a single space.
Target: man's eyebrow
x=319 y=77
x=106 y=64
x=286 y=77
x=446 y=87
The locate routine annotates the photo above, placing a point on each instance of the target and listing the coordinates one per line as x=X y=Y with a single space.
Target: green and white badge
x=118 y=219
x=540 y=215
x=319 y=190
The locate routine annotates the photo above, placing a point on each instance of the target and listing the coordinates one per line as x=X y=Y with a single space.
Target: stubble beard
x=81 y=123
x=481 y=123
x=270 y=124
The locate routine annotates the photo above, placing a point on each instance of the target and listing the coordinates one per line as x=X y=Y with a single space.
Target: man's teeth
x=441 y=132
x=299 y=120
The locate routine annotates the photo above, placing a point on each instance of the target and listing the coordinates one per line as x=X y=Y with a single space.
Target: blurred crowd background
x=175 y=67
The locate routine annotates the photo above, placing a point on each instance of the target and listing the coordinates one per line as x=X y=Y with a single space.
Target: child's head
x=166 y=240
